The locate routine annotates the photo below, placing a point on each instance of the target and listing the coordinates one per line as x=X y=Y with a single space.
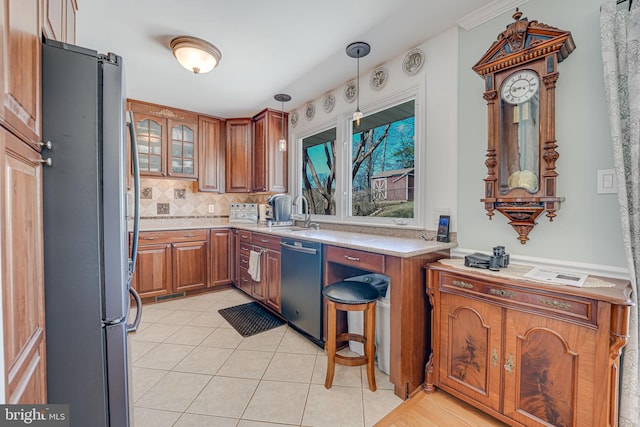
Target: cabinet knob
x=509 y=365
x=48 y=145
x=47 y=162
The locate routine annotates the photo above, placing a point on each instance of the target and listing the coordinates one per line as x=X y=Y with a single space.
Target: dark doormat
x=250 y=319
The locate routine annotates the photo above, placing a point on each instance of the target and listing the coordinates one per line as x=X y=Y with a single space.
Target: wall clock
x=520 y=75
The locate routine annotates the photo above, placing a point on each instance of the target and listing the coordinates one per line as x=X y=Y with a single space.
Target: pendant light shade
x=358 y=50
x=195 y=54
x=282 y=98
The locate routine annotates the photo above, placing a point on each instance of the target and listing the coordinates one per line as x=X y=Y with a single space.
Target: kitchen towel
x=254 y=265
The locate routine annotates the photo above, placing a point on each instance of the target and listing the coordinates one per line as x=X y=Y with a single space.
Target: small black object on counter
x=499 y=259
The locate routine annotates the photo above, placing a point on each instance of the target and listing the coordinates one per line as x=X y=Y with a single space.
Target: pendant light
x=358 y=50
x=282 y=98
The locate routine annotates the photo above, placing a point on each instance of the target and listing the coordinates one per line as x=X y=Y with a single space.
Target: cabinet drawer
x=245 y=249
x=155 y=237
x=244 y=236
x=244 y=277
x=359 y=259
x=266 y=241
x=244 y=261
x=558 y=305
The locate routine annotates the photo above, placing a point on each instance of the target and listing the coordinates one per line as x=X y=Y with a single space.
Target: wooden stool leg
x=370 y=344
x=330 y=345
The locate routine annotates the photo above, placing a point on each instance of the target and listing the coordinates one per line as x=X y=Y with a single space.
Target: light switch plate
x=607 y=181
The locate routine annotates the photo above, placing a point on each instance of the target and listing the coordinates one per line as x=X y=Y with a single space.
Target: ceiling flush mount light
x=358 y=50
x=195 y=54
x=282 y=98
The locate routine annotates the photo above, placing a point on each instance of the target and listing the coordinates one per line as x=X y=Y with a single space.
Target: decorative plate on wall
x=309 y=111
x=294 y=119
x=378 y=78
x=413 y=61
x=350 y=91
x=328 y=102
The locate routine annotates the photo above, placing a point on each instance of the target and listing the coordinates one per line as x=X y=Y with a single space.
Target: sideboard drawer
x=556 y=304
x=355 y=258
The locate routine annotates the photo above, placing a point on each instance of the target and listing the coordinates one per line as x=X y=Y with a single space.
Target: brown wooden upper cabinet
x=211 y=154
x=60 y=20
x=269 y=163
x=167 y=140
x=20 y=75
x=238 y=155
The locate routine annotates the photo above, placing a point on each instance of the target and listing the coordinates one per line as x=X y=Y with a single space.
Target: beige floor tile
x=264 y=341
x=349 y=376
x=195 y=420
x=211 y=319
x=291 y=367
x=224 y=397
x=155 y=332
x=179 y=317
x=378 y=404
x=163 y=356
x=279 y=402
x=293 y=342
x=223 y=338
x=339 y=406
x=382 y=379
x=236 y=298
x=249 y=423
x=204 y=360
x=144 y=417
x=172 y=304
x=174 y=392
x=153 y=314
x=196 y=304
x=140 y=348
x=246 y=364
x=190 y=335
x=143 y=379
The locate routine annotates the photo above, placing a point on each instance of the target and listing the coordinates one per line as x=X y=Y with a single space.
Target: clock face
x=520 y=87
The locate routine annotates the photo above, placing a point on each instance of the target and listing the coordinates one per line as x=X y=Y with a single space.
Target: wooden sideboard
x=528 y=354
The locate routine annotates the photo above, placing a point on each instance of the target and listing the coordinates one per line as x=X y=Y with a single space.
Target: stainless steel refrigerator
x=86 y=258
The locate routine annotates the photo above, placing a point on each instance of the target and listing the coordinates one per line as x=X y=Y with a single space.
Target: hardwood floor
x=437 y=409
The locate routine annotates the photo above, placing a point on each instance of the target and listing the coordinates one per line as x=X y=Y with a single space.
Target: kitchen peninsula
x=346 y=254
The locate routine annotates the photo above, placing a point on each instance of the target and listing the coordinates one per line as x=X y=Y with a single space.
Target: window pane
x=382 y=164
x=188 y=150
x=176 y=149
x=319 y=172
x=154 y=164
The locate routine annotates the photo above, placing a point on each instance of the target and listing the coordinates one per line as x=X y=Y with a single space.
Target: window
x=382 y=163
x=365 y=174
x=319 y=172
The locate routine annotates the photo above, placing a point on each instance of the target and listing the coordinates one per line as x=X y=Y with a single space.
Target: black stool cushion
x=351 y=292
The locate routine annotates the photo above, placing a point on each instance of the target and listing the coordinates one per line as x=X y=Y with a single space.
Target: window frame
x=344 y=125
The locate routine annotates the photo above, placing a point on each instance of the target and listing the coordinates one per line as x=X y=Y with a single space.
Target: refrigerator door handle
x=136 y=195
x=132 y=327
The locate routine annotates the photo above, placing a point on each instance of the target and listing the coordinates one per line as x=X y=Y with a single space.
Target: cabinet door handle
x=244 y=261
x=189 y=235
x=244 y=236
x=461 y=284
x=244 y=279
x=350 y=258
x=556 y=304
x=509 y=365
x=494 y=358
x=149 y=238
x=502 y=293
x=264 y=240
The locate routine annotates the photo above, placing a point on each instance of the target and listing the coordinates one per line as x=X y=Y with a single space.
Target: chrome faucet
x=307 y=216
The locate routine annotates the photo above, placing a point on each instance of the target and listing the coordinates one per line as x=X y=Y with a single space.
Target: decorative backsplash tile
x=163 y=209
x=182 y=201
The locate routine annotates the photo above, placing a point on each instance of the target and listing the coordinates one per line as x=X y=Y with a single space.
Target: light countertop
x=394 y=246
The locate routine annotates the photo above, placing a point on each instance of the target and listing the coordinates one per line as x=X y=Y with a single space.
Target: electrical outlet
x=437 y=212
x=212 y=208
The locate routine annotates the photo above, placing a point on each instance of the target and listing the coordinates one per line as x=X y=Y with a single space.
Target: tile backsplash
x=173 y=197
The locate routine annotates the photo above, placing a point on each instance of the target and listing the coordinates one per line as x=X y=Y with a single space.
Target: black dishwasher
x=301 y=290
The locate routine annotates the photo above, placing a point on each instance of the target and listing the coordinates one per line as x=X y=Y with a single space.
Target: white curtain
x=620 y=38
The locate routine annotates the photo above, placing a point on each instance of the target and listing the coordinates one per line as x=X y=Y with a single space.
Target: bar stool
x=351 y=296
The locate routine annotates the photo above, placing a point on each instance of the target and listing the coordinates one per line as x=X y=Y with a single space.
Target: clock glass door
x=520 y=132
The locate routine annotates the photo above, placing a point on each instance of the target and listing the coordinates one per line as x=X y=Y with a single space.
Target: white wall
x=437 y=87
x=587 y=228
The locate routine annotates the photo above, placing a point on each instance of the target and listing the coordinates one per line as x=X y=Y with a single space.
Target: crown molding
x=487 y=12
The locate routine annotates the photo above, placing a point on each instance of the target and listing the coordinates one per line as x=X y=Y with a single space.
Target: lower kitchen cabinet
x=530 y=355
x=170 y=262
x=221 y=260
x=271 y=260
